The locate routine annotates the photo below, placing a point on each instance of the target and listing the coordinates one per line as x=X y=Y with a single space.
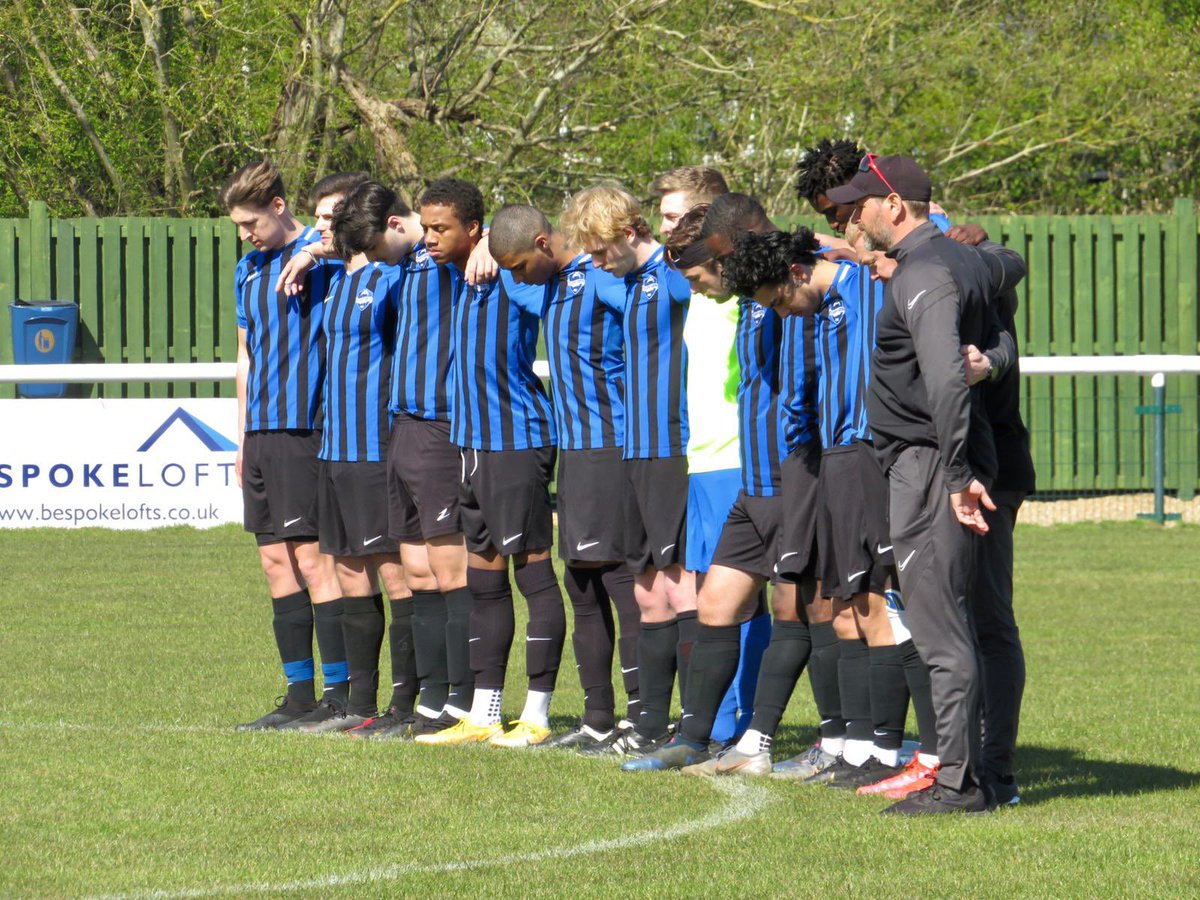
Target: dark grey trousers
x=1002 y=661
x=934 y=561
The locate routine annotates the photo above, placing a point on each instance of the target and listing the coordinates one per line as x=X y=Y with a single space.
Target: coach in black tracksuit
x=934 y=441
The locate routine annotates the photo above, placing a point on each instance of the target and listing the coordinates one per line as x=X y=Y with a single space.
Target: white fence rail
x=96 y=373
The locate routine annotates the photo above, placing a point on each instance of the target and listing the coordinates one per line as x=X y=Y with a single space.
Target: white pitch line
x=165 y=728
x=745 y=800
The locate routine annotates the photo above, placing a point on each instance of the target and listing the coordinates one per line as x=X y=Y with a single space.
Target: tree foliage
x=144 y=106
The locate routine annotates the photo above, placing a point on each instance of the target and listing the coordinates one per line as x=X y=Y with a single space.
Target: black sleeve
x=932 y=315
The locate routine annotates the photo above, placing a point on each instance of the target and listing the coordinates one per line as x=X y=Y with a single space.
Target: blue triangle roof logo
x=211 y=438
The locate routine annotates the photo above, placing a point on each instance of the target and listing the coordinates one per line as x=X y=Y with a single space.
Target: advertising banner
x=132 y=464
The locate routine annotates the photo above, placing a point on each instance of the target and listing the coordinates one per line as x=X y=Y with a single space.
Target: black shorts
x=424 y=471
x=655 y=512
x=279 y=485
x=798 y=536
x=750 y=539
x=853 y=539
x=504 y=500
x=353 y=509
x=591 y=519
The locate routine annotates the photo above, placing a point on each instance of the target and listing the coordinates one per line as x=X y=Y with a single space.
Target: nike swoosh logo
x=290 y=522
x=790 y=553
x=444 y=514
x=627 y=671
x=879 y=549
x=528 y=638
x=854 y=575
x=665 y=549
x=582 y=546
x=253 y=275
x=473 y=640
x=913 y=301
x=906 y=559
x=368 y=543
x=509 y=540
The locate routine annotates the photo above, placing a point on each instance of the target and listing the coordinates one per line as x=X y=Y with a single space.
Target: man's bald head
x=515 y=228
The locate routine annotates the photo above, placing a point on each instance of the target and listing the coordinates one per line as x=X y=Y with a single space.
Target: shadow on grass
x=1046 y=773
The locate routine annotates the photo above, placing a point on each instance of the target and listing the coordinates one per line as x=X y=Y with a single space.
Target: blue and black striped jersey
x=845 y=341
x=360 y=334
x=760 y=427
x=499 y=403
x=421 y=371
x=584 y=343
x=798 y=382
x=283 y=338
x=656 y=308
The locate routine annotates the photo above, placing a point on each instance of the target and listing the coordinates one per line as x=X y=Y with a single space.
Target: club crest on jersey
x=757 y=312
x=575 y=283
x=836 y=312
x=420 y=258
x=364 y=298
x=650 y=285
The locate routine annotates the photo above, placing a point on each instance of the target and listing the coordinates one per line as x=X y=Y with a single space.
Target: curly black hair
x=460 y=195
x=765 y=259
x=828 y=165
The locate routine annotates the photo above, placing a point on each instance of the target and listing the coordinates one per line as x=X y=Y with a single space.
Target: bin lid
x=41 y=303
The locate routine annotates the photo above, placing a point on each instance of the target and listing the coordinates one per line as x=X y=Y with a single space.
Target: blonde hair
x=702 y=183
x=255 y=184
x=604 y=213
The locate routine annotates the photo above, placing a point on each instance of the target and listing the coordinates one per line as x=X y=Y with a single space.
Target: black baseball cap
x=879 y=176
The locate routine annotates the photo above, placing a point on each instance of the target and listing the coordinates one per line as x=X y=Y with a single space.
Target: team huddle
x=771 y=450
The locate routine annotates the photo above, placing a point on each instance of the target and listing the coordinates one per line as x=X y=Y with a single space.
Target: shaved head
x=514 y=229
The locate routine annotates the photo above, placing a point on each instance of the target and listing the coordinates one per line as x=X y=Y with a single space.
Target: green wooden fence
x=160 y=290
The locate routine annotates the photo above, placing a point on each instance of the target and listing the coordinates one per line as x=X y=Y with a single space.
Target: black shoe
x=940 y=799
x=839 y=770
x=870 y=772
x=330 y=715
x=286 y=710
x=377 y=726
x=633 y=744
x=424 y=725
x=1004 y=792
x=582 y=739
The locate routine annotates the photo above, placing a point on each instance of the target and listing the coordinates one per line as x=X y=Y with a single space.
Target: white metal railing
x=97 y=373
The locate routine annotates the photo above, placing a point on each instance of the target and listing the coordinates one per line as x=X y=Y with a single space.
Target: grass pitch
x=127 y=658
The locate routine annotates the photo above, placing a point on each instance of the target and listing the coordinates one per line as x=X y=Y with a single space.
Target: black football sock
x=429 y=646
x=618 y=581
x=889 y=700
x=492 y=626
x=656 y=675
x=823 y=676
x=714 y=661
x=782 y=662
x=592 y=638
x=292 y=620
x=916 y=675
x=546 y=631
x=332 y=643
x=689 y=625
x=404 y=658
x=854 y=686
x=459 y=604
x=363 y=625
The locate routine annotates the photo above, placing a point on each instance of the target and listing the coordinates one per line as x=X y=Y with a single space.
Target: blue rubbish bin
x=43 y=333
